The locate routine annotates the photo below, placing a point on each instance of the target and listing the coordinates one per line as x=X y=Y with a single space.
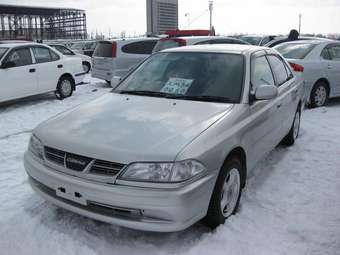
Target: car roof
x=132 y=39
x=201 y=37
x=219 y=48
x=313 y=41
x=13 y=45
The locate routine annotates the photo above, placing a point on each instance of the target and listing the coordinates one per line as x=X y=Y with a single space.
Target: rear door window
x=2 y=52
x=65 y=51
x=334 y=52
x=279 y=69
x=42 y=54
x=20 y=57
x=103 y=49
x=325 y=54
x=142 y=47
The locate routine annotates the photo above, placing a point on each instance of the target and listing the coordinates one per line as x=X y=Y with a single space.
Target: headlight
x=162 y=172
x=36 y=147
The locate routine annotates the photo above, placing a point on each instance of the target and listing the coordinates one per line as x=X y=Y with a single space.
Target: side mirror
x=8 y=64
x=115 y=81
x=266 y=92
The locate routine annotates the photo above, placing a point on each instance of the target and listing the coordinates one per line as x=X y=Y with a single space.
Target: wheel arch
x=68 y=75
x=326 y=81
x=240 y=153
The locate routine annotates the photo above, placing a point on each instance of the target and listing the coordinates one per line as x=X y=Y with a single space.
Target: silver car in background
x=117 y=57
x=174 y=142
x=320 y=60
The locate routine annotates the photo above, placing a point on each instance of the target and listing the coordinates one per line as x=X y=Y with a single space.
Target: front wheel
x=226 y=195
x=294 y=131
x=64 y=88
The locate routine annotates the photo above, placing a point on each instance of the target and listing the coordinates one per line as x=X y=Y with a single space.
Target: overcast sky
x=230 y=16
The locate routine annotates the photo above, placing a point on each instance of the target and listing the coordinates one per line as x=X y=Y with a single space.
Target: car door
x=49 y=68
x=331 y=63
x=132 y=54
x=19 y=78
x=264 y=129
x=287 y=97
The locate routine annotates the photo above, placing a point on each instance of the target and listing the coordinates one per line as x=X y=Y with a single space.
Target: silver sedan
x=174 y=142
x=319 y=62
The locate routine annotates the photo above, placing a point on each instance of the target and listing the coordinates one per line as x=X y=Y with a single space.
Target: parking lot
x=290 y=206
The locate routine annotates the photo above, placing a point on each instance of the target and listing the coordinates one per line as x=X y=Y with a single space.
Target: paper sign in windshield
x=177 y=86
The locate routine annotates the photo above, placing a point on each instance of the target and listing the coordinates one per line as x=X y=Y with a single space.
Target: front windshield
x=2 y=52
x=295 y=50
x=78 y=45
x=253 y=40
x=203 y=76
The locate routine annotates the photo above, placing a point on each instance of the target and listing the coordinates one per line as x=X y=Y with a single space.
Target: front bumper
x=149 y=209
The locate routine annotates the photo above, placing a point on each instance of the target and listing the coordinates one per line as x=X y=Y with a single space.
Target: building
x=162 y=15
x=41 y=23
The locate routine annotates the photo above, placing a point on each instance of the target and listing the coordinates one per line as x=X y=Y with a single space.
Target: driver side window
x=261 y=73
x=20 y=57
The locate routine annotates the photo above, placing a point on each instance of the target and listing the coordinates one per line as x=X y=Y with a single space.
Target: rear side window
x=103 y=49
x=143 y=47
x=43 y=55
x=261 y=73
x=168 y=44
x=20 y=57
x=325 y=54
x=279 y=69
x=295 y=50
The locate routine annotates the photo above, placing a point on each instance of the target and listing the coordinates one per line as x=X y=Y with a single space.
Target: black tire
x=86 y=67
x=65 y=87
x=215 y=217
x=291 y=137
x=314 y=102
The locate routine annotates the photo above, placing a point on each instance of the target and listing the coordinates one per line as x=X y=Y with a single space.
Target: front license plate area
x=70 y=194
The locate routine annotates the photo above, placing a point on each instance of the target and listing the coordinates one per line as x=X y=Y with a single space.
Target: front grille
x=102 y=167
x=80 y=163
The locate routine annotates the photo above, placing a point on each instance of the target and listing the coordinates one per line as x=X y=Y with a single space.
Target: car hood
x=125 y=128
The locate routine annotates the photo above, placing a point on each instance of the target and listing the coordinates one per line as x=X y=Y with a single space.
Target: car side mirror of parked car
x=8 y=64
x=115 y=81
x=266 y=92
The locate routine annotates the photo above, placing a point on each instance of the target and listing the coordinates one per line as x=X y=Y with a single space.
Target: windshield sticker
x=177 y=86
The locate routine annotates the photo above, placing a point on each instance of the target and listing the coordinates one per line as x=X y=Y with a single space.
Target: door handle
x=330 y=67
x=32 y=70
x=278 y=106
x=60 y=66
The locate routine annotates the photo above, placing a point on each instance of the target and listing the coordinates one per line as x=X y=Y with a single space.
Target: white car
x=86 y=60
x=320 y=60
x=30 y=69
x=117 y=57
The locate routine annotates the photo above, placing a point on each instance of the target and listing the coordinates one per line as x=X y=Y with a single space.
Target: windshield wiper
x=145 y=93
x=207 y=99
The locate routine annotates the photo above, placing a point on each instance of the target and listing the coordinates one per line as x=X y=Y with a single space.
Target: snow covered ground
x=291 y=204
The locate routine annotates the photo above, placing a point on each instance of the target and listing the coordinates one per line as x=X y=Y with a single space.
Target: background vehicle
x=117 y=57
x=28 y=69
x=172 y=42
x=86 y=60
x=156 y=164
x=84 y=47
x=321 y=62
x=259 y=40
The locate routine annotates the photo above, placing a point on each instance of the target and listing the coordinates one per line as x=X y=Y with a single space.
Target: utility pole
x=211 y=7
x=187 y=15
x=300 y=20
